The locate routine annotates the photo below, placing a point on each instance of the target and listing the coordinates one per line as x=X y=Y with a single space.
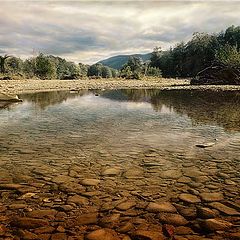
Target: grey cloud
x=87 y=31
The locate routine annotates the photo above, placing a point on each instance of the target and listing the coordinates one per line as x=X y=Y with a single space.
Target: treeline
x=187 y=59
x=183 y=60
x=52 y=67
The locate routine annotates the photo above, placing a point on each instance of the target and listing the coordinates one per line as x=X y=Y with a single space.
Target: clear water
x=145 y=133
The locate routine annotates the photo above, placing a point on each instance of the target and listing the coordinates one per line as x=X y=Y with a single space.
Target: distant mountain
x=118 y=61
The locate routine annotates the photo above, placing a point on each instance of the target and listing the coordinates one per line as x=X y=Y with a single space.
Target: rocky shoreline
x=25 y=86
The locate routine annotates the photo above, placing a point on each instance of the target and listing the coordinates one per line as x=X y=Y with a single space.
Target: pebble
x=215 y=225
x=211 y=197
x=173 y=219
x=102 y=234
x=125 y=205
x=161 y=207
x=189 y=198
x=148 y=235
x=90 y=182
x=28 y=223
x=224 y=209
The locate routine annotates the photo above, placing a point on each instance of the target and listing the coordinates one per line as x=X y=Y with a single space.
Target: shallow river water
x=121 y=164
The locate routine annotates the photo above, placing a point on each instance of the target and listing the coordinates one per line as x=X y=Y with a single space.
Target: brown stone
x=59 y=236
x=102 y=234
x=90 y=182
x=147 y=235
x=204 y=212
x=26 y=222
x=224 y=209
x=173 y=219
x=125 y=205
x=161 y=207
x=88 y=218
x=41 y=213
x=189 y=198
x=79 y=200
x=215 y=225
x=211 y=197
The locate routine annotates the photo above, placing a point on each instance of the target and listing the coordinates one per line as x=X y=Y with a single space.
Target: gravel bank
x=20 y=86
x=25 y=86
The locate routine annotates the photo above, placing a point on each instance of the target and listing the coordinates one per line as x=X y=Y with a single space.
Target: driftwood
x=218 y=74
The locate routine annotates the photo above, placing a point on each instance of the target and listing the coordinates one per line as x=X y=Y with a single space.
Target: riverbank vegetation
x=185 y=60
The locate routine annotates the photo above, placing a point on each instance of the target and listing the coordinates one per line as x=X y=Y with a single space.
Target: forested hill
x=118 y=61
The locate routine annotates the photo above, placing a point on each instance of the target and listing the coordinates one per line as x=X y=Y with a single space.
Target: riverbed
x=120 y=164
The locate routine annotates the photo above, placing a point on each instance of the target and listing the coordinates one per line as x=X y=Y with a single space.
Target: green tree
x=106 y=72
x=95 y=70
x=14 y=65
x=3 y=62
x=29 y=67
x=45 y=67
x=228 y=55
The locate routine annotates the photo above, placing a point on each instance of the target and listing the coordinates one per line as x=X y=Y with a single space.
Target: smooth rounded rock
x=102 y=234
x=161 y=207
x=189 y=198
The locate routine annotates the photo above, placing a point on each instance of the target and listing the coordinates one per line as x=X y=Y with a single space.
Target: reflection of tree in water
x=6 y=105
x=222 y=108
x=45 y=99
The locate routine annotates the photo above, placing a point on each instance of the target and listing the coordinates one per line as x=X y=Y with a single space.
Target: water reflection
x=203 y=107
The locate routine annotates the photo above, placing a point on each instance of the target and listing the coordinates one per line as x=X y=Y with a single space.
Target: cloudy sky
x=88 y=31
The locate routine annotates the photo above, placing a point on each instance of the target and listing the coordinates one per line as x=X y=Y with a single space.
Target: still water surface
x=150 y=136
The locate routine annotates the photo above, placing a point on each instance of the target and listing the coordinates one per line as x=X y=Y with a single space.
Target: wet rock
x=28 y=223
x=102 y=234
x=189 y=198
x=161 y=207
x=211 y=197
x=59 y=236
x=230 y=182
x=79 y=200
x=65 y=208
x=168 y=230
x=44 y=236
x=110 y=221
x=43 y=230
x=173 y=219
x=172 y=174
x=88 y=218
x=60 y=229
x=204 y=212
x=17 y=206
x=27 y=195
x=187 y=212
x=224 y=209
x=205 y=145
x=90 y=182
x=215 y=225
x=26 y=235
x=10 y=186
x=125 y=205
x=147 y=235
x=3 y=230
x=134 y=173
x=71 y=187
x=62 y=179
x=193 y=172
x=41 y=213
x=124 y=228
x=182 y=230
x=111 y=172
